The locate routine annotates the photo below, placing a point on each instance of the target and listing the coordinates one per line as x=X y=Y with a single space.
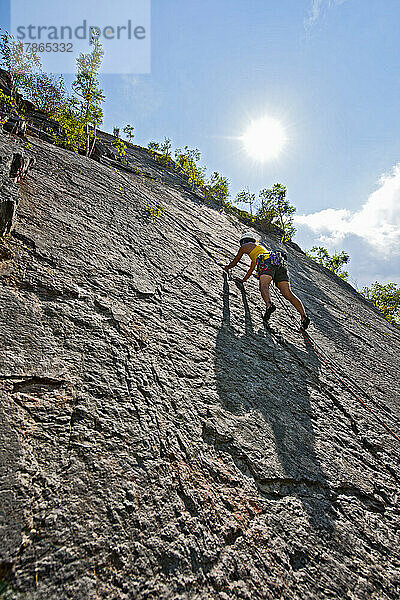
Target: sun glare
x=264 y=139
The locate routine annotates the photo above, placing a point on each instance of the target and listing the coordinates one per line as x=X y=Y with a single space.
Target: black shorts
x=264 y=267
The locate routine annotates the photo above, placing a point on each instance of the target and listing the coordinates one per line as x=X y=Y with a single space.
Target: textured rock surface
x=156 y=441
x=9 y=195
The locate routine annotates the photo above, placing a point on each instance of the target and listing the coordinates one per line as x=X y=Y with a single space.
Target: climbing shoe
x=305 y=321
x=269 y=312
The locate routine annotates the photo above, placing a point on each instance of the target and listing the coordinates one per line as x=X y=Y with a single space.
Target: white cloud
x=314 y=13
x=316 y=10
x=377 y=222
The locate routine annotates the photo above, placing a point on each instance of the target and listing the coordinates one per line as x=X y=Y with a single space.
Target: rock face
x=156 y=441
x=13 y=166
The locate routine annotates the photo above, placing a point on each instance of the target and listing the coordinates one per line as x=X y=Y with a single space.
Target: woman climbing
x=269 y=267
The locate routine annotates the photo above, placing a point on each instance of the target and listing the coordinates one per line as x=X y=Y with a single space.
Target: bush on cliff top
x=77 y=115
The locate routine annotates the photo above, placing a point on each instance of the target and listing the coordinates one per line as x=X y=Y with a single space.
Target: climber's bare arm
x=248 y=274
x=235 y=260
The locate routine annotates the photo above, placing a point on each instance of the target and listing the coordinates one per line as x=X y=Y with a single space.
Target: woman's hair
x=246 y=240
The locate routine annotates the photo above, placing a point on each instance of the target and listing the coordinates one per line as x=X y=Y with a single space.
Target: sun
x=264 y=139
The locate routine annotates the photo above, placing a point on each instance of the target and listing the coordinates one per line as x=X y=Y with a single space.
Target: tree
x=275 y=209
x=72 y=132
x=245 y=197
x=120 y=147
x=17 y=61
x=163 y=148
x=386 y=298
x=45 y=91
x=155 y=146
x=129 y=131
x=7 y=107
x=79 y=115
x=217 y=187
x=334 y=263
x=86 y=88
x=166 y=147
x=188 y=164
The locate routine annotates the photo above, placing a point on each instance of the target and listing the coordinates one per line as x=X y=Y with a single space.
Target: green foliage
x=276 y=210
x=116 y=132
x=161 y=152
x=71 y=133
x=217 y=188
x=165 y=148
x=334 y=263
x=386 y=298
x=80 y=115
x=129 y=132
x=17 y=61
x=46 y=92
x=5 y=50
x=86 y=85
x=187 y=162
x=120 y=146
x=7 y=103
x=245 y=197
x=154 y=210
x=8 y=106
x=155 y=146
x=77 y=116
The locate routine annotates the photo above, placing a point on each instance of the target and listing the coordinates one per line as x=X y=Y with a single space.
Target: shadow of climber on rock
x=261 y=372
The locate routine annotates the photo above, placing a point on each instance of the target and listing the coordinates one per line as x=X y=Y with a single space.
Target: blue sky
x=327 y=69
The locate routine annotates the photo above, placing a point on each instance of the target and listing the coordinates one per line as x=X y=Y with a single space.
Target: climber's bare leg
x=264 y=282
x=284 y=287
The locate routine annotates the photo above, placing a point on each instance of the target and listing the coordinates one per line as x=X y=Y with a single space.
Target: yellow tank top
x=257 y=251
